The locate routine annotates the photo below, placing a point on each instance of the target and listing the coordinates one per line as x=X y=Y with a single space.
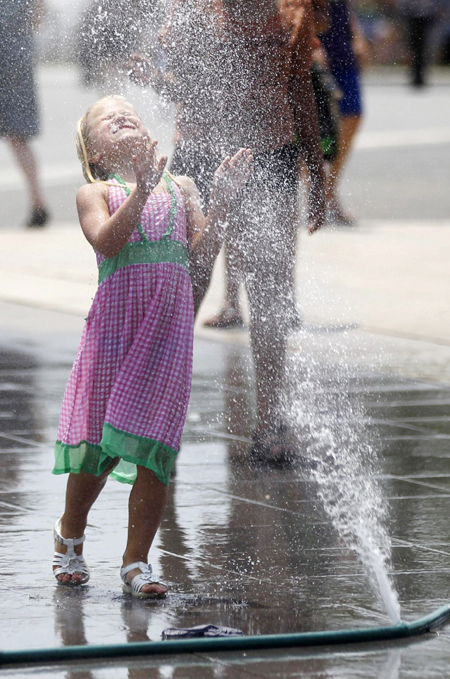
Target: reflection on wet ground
x=239 y=547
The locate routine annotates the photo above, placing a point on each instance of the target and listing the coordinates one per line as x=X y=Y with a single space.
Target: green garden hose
x=43 y=656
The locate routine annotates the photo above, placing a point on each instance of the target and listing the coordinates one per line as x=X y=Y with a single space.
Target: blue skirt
x=348 y=81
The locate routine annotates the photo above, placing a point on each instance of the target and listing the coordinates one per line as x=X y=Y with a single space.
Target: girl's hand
x=147 y=168
x=232 y=175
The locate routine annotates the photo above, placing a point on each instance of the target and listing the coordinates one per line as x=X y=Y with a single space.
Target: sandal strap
x=72 y=541
x=145 y=577
x=69 y=542
x=137 y=564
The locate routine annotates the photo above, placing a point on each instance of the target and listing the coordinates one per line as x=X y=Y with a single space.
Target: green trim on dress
x=145 y=252
x=85 y=456
x=131 y=449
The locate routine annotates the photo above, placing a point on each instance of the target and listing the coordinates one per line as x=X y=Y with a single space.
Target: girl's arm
x=206 y=234
x=201 y=259
x=108 y=234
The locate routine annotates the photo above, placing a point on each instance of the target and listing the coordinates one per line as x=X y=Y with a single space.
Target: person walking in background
x=346 y=52
x=419 y=17
x=18 y=106
x=230 y=315
x=238 y=71
x=126 y=400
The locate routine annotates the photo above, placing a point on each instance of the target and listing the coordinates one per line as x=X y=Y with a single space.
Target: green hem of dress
x=131 y=450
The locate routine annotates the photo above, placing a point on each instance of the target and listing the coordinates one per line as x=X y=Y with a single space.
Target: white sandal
x=145 y=577
x=69 y=563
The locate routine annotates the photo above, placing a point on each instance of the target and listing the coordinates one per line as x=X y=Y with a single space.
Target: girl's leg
x=146 y=508
x=81 y=493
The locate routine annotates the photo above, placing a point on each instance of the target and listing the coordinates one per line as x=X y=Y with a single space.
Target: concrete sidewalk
x=384 y=283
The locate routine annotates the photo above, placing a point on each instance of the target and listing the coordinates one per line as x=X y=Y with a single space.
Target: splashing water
x=342 y=460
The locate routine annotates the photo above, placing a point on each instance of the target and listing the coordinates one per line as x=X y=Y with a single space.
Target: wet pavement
x=239 y=546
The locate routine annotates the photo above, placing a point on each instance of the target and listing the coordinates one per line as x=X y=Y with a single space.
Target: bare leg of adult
x=268 y=266
x=26 y=159
x=269 y=342
x=269 y=330
x=348 y=130
x=81 y=493
x=233 y=275
x=418 y=29
x=230 y=315
x=145 y=513
x=294 y=318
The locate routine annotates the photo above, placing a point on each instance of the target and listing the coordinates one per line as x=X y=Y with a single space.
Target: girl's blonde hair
x=93 y=172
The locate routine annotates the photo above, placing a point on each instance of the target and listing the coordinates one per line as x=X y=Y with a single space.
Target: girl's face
x=114 y=127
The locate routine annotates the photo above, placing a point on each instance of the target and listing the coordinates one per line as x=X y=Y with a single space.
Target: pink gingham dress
x=129 y=387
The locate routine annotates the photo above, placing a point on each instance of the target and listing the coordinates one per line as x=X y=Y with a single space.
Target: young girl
x=125 y=403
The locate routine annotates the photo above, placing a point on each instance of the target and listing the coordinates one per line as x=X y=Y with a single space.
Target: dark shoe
x=274 y=447
x=338 y=217
x=226 y=318
x=38 y=218
x=336 y=214
x=418 y=82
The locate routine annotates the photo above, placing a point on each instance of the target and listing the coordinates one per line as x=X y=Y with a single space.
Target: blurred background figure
x=109 y=32
x=327 y=95
x=18 y=106
x=238 y=71
x=346 y=54
x=419 y=18
x=230 y=315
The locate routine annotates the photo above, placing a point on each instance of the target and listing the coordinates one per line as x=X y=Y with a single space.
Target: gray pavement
x=252 y=549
